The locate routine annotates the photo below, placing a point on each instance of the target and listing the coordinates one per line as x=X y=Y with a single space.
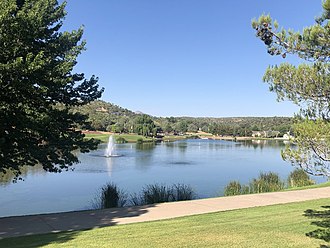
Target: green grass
x=171 y=138
x=273 y=226
x=314 y=186
x=131 y=138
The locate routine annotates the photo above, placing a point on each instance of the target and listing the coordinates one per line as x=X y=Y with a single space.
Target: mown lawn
x=314 y=186
x=273 y=226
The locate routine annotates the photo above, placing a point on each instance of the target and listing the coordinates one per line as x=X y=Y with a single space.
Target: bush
x=182 y=192
x=155 y=193
x=120 y=140
x=299 y=178
x=139 y=141
x=158 y=193
x=245 y=190
x=233 y=188
x=267 y=182
x=110 y=196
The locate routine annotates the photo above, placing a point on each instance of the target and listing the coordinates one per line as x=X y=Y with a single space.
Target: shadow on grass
x=39 y=240
x=40 y=230
x=322 y=221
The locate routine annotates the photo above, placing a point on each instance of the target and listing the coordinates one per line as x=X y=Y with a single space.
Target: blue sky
x=184 y=57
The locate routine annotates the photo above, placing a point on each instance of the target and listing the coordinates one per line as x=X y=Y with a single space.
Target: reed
x=299 y=178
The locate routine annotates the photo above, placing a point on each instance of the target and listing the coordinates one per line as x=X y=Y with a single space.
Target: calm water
x=205 y=165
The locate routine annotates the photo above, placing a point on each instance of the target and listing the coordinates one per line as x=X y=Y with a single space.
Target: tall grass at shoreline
x=110 y=196
x=269 y=182
x=299 y=178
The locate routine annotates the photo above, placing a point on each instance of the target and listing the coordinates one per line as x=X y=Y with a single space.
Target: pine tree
x=38 y=87
x=307 y=85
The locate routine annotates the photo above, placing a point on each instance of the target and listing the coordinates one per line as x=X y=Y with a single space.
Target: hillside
x=106 y=116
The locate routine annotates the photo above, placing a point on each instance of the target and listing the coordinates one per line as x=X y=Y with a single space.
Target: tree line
x=105 y=116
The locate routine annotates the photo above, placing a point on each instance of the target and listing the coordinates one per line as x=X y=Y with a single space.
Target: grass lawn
x=171 y=138
x=314 y=186
x=273 y=226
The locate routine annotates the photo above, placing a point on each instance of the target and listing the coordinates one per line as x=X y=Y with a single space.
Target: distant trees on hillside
x=144 y=125
x=105 y=116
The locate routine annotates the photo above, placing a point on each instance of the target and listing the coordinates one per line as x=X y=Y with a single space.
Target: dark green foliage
x=158 y=193
x=266 y=182
x=139 y=141
x=182 y=192
x=144 y=125
x=233 y=188
x=322 y=222
x=110 y=196
x=38 y=87
x=238 y=126
x=245 y=189
x=299 y=178
x=120 y=140
x=181 y=126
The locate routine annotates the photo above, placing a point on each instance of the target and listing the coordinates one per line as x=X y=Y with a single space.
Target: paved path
x=46 y=223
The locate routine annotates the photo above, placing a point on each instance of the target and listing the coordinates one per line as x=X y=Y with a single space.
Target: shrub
x=110 y=196
x=182 y=192
x=233 y=188
x=299 y=178
x=136 y=199
x=266 y=182
x=155 y=193
x=120 y=140
x=139 y=141
x=158 y=193
x=245 y=190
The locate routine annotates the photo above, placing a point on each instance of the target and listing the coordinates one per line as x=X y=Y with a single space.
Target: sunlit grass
x=272 y=226
x=131 y=138
x=314 y=186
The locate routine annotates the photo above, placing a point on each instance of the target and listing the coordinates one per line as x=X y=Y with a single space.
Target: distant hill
x=106 y=116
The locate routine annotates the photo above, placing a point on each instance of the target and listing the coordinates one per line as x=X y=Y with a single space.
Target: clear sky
x=184 y=57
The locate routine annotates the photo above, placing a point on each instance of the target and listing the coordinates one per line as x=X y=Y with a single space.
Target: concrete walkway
x=82 y=220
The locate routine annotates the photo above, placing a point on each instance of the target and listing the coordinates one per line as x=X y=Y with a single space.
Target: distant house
x=258 y=134
x=101 y=109
x=265 y=134
x=287 y=136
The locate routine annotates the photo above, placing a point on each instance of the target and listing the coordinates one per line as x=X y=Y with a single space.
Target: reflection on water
x=260 y=144
x=145 y=146
x=206 y=165
x=109 y=165
x=8 y=177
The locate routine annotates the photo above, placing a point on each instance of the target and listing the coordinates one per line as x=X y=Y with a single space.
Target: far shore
x=239 y=138
x=132 y=138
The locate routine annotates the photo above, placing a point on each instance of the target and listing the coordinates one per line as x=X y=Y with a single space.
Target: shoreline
x=171 y=138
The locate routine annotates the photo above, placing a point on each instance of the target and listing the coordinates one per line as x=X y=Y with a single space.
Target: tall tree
x=307 y=85
x=144 y=125
x=37 y=87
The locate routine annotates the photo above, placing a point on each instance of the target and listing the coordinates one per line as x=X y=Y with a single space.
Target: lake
x=206 y=165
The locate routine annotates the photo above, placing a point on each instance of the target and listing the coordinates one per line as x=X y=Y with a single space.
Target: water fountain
x=110 y=151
